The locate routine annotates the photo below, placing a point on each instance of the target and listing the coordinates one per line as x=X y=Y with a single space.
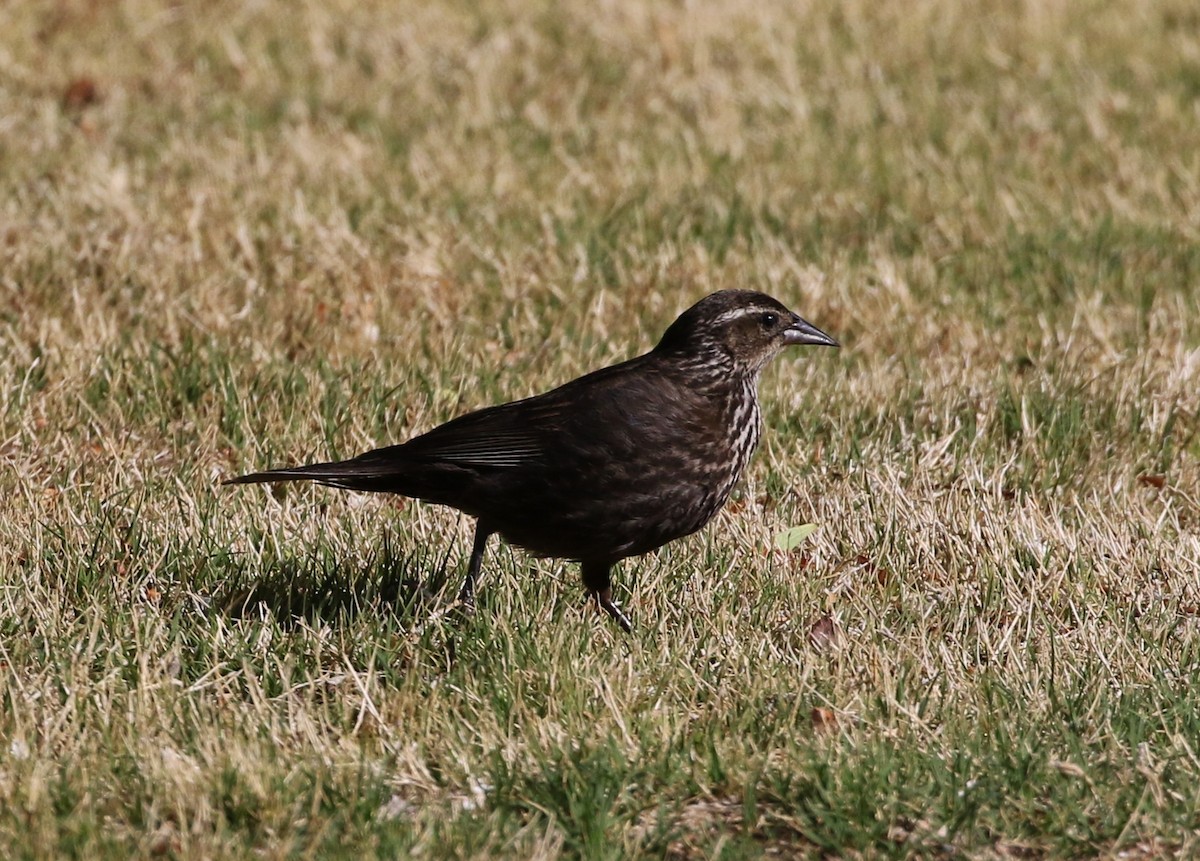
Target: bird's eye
x=769 y=320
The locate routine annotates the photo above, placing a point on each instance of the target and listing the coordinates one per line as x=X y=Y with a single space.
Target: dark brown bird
x=613 y=464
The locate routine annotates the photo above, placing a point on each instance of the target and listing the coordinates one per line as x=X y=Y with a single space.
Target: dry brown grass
x=248 y=233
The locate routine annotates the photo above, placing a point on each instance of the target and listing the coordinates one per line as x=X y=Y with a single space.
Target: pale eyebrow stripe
x=743 y=312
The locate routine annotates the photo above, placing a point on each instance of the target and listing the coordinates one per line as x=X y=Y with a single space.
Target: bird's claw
x=604 y=599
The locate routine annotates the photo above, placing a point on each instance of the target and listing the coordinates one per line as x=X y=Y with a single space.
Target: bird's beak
x=803 y=332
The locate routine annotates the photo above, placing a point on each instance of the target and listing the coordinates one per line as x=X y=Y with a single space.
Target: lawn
x=241 y=235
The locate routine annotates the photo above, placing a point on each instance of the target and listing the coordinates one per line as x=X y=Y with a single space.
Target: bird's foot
x=464 y=606
x=604 y=599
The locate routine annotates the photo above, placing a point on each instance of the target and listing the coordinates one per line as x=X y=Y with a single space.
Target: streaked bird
x=613 y=464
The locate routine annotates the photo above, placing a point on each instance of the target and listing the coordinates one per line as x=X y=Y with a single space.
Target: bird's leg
x=598 y=582
x=466 y=595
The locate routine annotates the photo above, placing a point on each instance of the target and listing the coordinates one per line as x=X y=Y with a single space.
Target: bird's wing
x=519 y=432
x=502 y=436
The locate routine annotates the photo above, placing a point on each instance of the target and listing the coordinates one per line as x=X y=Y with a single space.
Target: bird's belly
x=610 y=523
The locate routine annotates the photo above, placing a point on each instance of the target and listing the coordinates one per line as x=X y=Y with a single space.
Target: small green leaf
x=792 y=538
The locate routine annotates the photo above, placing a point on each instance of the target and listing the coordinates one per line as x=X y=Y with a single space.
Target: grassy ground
x=239 y=235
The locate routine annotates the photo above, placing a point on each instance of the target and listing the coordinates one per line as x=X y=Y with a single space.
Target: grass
x=239 y=235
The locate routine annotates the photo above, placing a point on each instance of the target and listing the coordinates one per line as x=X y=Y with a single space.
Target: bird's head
x=741 y=328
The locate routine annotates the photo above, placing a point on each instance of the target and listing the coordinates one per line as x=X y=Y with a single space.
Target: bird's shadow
x=324 y=590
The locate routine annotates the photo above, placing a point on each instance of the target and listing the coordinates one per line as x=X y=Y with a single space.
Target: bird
x=611 y=465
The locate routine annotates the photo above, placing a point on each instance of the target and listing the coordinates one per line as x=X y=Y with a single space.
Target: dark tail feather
x=367 y=472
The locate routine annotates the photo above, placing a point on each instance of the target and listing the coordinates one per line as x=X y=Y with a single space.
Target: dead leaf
x=165 y=840
x=80 y=93
x=823 y=634
x=823 y=720
x=668 y=43
x=1070 y=769
x=882 y=575
x=1155 y=480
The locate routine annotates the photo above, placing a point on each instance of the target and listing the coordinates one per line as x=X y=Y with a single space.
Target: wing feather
x=508 y=435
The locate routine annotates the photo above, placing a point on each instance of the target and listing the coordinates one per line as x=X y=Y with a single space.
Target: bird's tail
x=370 y=472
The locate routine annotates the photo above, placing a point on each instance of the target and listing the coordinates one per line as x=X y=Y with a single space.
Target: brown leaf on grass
x=882 y=575
x=1155 y=480
x=668 y=43
x=824 y=634
x=1068 y=768
x=165 y=840
x=823 y=720
x=80 y=93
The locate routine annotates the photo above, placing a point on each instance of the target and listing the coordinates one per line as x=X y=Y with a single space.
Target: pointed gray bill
x=803 y=332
